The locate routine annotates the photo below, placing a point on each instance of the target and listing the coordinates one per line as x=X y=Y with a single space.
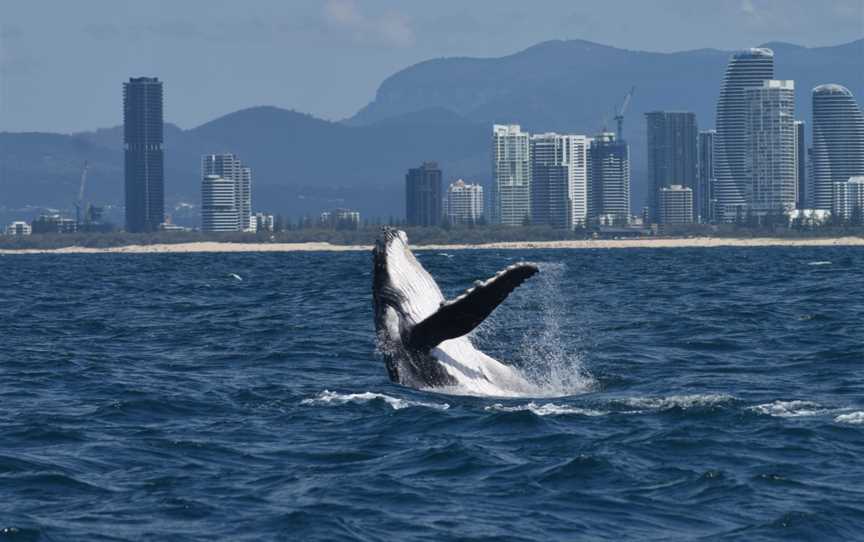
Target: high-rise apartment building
x=770 y=149
x=838 y=142
x=143 y=154
x=609 y=180
x=559 y=180
x=219 y=204
x=746 y=69
x=511 y=175
x=464 y=203
x=229 y=166
x=800 y=165
x=675 y=205
x=848 y=202
x=423 y=195
x=672 y=153
x=704 y=202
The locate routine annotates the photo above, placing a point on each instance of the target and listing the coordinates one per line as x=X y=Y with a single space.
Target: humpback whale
x=422 y=336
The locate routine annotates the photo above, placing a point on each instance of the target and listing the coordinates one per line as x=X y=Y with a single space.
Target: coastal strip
x=211 y=246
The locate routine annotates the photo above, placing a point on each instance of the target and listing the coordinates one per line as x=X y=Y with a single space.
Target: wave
x=790 y=409
x=819 y=263
x=683 y=402
x=853 y=418
x=548 y=409
x=328 y=397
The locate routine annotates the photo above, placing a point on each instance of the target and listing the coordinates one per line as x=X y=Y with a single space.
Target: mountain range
x=440 y=110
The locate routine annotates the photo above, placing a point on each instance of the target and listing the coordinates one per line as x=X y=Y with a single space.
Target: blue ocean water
x=709 y=394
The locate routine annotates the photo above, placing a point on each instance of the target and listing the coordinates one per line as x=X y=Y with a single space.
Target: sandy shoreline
x=210 y=246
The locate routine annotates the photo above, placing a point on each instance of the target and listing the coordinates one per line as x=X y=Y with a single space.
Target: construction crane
x=80 y=200
x=619 y=115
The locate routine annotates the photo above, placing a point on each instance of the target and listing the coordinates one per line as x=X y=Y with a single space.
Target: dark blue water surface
x=712 y=394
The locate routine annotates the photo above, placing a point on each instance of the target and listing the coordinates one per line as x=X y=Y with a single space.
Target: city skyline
x=733 y=109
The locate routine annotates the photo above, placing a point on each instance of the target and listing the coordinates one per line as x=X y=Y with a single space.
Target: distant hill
x=301 y=164
x=436 y=110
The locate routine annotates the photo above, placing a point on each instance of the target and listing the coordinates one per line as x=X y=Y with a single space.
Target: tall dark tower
x=672 y=153
x=142 y=142
x=423 y=195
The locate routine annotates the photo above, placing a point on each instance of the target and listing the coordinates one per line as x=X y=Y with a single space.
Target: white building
x=675 y=205
x=263 y=222
x=746 y=69
x=511 y=175
x=229 y=166
x=219 y=204
x=770 y=151
x=849 y=199
x=18 y=228
x=340 y=219
x=559 y=180
x=464 y=203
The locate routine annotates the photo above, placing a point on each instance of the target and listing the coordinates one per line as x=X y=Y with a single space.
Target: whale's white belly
x=477 y=373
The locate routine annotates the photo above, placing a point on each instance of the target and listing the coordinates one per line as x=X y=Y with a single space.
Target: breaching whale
x=423 y=338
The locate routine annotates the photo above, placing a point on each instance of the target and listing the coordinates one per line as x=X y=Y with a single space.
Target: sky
x=62 y=63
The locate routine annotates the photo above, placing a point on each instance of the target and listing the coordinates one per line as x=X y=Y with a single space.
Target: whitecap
x=819 y=263
x=328 y=397
x=852 y=417
x=547 y=409
x=679 y=401
x=790 y=409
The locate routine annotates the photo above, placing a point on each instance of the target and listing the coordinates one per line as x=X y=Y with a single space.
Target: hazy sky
x=62 y=62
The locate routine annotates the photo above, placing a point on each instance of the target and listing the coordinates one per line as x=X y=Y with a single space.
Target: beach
x=695 y=242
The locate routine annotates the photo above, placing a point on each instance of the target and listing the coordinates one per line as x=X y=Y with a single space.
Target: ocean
x=712 y=394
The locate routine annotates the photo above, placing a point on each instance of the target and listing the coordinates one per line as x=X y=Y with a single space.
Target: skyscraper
x=746 y=69
x=511 y=175
x=838 y=142
x=704 y=202
x=559 y=180
x=672 y=153
x=770 y=150
x=609 y=180
x=219 y=204
x=800 y=165
x=423 y=195
x=675 y=205
x=848 y=202
x=229 y=166
x=144 y=154
x=464 y=203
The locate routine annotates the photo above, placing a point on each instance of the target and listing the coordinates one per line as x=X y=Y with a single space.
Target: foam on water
x=680 y=401
x=853 y=418
x=328 y=397
x=547 y=409
x=790 y=409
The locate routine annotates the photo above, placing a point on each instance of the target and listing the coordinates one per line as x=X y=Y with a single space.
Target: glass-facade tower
x=838 y=142
x=746 y=69
x=672 y=153
x=144 y=154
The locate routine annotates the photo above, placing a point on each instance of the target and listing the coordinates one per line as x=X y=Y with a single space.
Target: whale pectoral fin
x=459 y=316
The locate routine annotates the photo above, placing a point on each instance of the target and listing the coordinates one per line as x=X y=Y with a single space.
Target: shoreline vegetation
x=481 y=237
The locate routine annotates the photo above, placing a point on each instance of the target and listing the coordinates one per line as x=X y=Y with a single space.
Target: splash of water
x=542 y=355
